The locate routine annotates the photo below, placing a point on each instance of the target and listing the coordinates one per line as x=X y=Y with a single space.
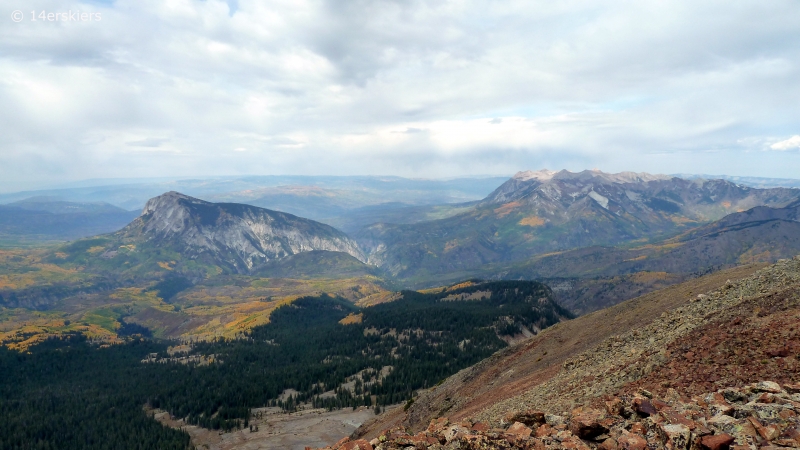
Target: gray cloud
x=417 y=88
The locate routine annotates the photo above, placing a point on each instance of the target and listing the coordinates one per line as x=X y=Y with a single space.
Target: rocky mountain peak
x=238 y=236
x=169 y=199
x=631 y=193
x=596 y=175
x=600 y=176
x=539 y=175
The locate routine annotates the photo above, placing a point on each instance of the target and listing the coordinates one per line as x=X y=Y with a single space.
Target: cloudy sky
x=151 y=88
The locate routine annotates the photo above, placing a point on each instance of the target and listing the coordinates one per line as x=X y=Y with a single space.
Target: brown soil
x=759 y=339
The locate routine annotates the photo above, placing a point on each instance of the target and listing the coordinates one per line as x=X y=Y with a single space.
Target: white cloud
x=789 y=144
x=420 y=88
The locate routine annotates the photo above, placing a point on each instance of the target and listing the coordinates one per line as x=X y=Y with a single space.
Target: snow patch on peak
x=541 y=175
x=602 y=201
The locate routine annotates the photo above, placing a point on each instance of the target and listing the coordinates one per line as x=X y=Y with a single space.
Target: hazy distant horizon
x=752 y=181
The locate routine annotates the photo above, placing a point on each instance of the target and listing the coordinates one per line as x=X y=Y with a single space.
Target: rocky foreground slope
x=722 y=331
x=760 y=415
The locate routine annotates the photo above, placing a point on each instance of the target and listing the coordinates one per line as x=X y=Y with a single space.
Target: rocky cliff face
x=240 y=236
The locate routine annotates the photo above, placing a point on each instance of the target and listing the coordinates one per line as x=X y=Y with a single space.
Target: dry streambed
x=277 y=430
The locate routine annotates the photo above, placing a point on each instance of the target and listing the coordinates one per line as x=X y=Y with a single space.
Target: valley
x=277 y=429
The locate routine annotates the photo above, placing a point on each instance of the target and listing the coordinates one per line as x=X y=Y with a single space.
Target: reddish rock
x=614 y=406
x=586 y=424
x=716 y=442
x=422 y=438
x=519 y=430
x=792 y=388
x=438 y=425
x=531 y=418
x=609 y=444
x=632 y=441
x=688 y=424
x=766 y=397
x=480 y=427
x=638 y=428
x=791 y=433
x=644 y=407
x=544 y=430
x=573 y=443
x=360 y=444
x=658 y=404
x=768 y=432
x=673 y=417
x=747 y=432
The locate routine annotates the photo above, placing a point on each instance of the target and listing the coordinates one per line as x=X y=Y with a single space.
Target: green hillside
x=333 y=353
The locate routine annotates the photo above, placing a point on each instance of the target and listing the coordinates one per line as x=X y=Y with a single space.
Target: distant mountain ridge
x=238 y=236
x=546 y=211
x=44 y=219
x=637 y=194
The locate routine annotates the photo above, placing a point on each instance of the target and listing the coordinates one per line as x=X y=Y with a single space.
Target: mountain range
x=536 y=213
x=345 y=202
x=275 y=309
x=596 y=238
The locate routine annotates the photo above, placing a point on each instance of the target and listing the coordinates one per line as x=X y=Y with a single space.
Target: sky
x=177 y=88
